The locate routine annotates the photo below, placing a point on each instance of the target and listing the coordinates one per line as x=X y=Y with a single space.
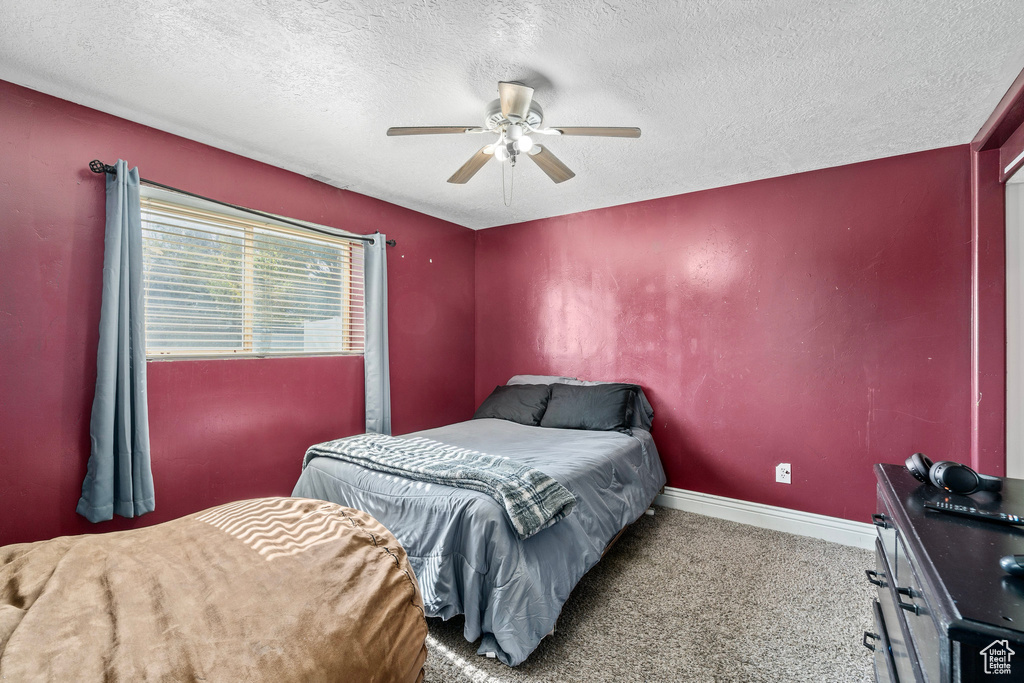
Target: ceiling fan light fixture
x=516 y=120
x=523 y=144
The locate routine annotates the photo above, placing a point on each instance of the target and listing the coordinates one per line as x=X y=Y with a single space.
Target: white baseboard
x=859 y=534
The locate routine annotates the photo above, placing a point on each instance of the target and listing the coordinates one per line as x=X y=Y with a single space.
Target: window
x=218 y=283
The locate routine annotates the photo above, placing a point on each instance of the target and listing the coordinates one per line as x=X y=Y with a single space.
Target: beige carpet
x=683 y=597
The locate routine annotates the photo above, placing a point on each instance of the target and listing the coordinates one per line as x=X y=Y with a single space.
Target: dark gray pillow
x=600 y=407
x=643 y=413
x=522 y=403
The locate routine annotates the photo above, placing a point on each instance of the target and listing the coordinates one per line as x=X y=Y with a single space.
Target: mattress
x=277 y=589
x=461 y=545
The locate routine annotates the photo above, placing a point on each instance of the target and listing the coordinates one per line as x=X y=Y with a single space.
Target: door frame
x=997 y=151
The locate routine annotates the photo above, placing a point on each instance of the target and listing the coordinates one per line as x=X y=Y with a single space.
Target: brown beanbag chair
x=275 y=589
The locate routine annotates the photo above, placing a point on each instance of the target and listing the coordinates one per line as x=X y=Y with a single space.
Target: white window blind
x=220 y=284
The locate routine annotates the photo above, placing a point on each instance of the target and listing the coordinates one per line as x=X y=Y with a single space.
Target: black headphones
x=951 y=476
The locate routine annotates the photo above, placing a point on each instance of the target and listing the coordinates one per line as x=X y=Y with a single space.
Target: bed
x=463 y=549
x=277 y=589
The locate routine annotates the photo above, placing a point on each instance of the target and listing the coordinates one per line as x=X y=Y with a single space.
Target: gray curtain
x=119 y=479
x=375 y=355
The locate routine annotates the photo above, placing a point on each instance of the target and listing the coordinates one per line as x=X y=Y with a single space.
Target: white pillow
x=541 y=379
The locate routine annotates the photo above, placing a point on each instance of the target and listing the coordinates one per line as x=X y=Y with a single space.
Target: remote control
x=968 y=511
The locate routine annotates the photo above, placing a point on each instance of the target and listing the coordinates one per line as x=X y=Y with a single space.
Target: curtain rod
x=97 y=166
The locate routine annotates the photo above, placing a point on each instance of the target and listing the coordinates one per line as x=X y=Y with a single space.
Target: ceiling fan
x=515 y=117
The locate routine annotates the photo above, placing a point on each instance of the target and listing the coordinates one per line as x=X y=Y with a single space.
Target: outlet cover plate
x=784 y=473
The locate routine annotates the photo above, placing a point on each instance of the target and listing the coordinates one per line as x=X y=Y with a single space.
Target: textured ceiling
x=725 y=91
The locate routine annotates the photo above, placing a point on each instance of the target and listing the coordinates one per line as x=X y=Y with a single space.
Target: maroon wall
x=221 y=430
x=820 y=319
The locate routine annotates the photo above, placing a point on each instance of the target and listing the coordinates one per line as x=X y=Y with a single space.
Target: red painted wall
x=820 y=319
x=220 y=430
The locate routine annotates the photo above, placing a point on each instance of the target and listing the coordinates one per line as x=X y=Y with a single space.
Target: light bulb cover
x=523 y=144
x=501 y=152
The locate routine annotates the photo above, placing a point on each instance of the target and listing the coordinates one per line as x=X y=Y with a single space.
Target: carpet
x=684 y=597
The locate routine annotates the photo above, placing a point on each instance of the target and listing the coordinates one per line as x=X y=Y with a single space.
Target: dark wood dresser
x=946 y=612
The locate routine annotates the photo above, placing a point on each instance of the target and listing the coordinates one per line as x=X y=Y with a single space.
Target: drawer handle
x=873 y=578
x=881 y=520
x=872 y=636
x=909 y=606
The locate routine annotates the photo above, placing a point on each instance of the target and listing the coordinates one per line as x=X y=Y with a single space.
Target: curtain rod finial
x=391 y=243
x=97 y=166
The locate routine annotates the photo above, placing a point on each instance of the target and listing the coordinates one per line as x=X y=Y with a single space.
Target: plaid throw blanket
x=532 y=499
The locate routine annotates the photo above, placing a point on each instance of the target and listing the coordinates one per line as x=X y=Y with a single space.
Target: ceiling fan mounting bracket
x=494 y=119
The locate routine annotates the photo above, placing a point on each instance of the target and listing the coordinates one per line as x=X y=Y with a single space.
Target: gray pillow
x=600 y=407
x=643 y=413
x=522 y=403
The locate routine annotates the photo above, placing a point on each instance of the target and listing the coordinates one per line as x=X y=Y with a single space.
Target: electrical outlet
x=783 y=473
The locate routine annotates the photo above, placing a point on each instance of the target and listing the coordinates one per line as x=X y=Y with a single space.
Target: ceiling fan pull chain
x=503 y=185
x=511 y=182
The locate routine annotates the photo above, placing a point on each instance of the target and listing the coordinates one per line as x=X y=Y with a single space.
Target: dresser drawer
x=885 y=667
x=922 y=630
x=886 y=530
x=904 y=659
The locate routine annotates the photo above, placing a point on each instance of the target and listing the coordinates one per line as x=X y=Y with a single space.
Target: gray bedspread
x=533 y=500
x=466 y=555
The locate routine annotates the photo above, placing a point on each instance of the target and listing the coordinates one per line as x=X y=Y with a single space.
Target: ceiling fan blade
x=551 y=165
x=515 y=100
x=613 y=132
x=475 y=163
x=434 y=130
